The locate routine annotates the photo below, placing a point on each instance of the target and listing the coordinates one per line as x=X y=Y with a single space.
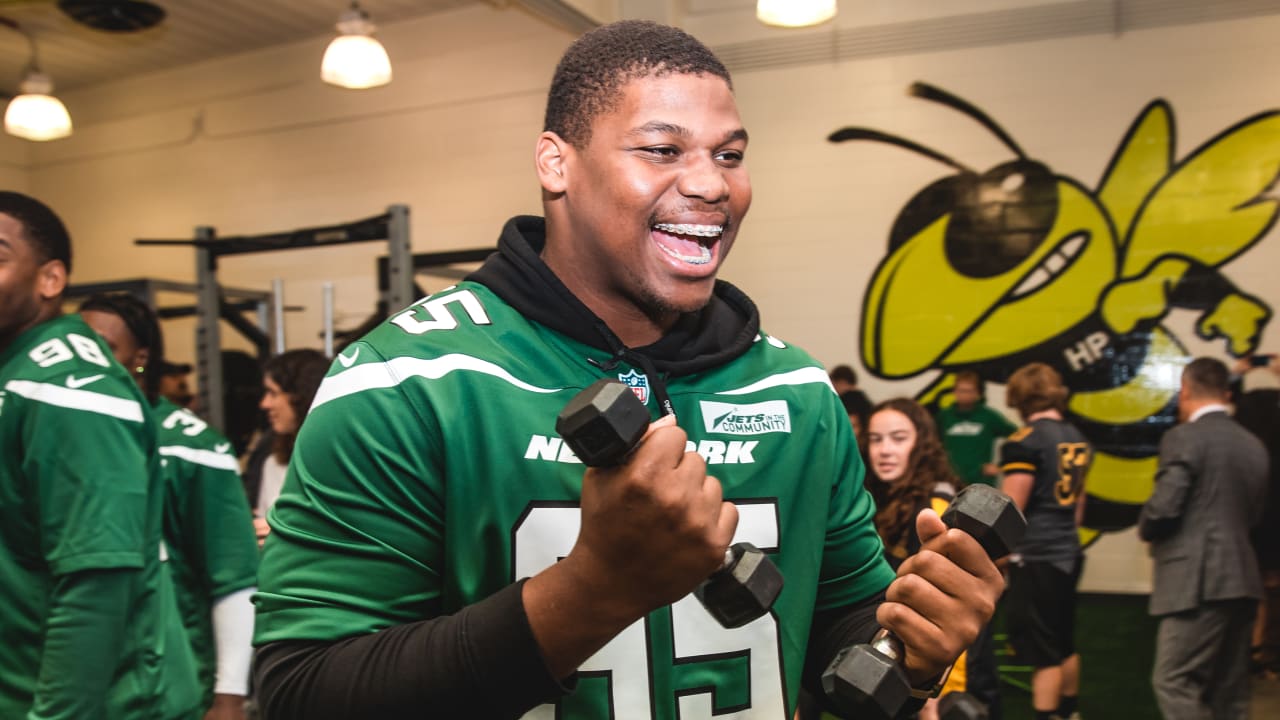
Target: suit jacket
x=1210 y=490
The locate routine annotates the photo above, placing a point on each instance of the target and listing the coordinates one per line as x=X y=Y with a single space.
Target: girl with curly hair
x=907 y=472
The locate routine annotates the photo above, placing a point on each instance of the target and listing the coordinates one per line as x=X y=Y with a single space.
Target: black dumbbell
x=602 y=424
x=868 y=680
x=961 y=706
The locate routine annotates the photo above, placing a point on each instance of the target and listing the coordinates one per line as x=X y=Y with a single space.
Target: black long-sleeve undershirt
x=481 y=662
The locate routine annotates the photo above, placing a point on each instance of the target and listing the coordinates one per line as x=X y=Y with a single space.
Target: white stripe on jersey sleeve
x=208 y=458
x=371 y=376
x=66 y=397
x=803 y=376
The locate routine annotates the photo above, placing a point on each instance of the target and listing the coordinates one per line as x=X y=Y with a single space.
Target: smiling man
x=89 y=627
x=439 y=552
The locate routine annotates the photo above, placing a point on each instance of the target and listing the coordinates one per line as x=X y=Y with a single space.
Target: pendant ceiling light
x=35 y=114
x=795 y=13
x=355 y=59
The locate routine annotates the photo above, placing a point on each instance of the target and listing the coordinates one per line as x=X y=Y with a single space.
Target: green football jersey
x=81 y=490
x=429 y=475
x=208 y=527
x=969 y=437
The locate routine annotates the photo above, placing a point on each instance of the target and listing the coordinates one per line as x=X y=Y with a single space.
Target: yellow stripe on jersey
x=1018 y=467
x=1019 y=434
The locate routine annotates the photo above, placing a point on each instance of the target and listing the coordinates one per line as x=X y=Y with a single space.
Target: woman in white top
x=290 y=381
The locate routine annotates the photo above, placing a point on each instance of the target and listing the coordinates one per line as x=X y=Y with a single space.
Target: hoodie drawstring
x=657 y=381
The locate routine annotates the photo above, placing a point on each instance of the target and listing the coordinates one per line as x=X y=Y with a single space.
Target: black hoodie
x=721 y=331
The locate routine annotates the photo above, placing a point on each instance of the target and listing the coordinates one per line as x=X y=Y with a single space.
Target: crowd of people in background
x=102 y=442
x=1211 y=638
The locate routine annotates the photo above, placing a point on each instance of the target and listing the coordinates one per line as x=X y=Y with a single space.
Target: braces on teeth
x=688 y=229
x=702 y=258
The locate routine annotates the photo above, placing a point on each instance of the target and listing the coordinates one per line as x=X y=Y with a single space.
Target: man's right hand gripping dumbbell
x=653 y=528
x=603 y=424
x=872 y=680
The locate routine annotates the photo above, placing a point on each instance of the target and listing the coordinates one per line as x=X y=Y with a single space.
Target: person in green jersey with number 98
x=438 y=551
x=88 y=620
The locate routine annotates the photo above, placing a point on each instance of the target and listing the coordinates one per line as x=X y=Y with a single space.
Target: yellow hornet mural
x=989 y=271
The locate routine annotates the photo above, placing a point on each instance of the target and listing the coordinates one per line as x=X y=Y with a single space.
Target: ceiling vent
x=120 y=16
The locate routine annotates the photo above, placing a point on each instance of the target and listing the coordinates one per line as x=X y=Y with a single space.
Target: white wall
x=14 y=155
x=257 y=143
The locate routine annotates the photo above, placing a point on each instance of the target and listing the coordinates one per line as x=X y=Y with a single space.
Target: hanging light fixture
x=35 y=114
x=355 y=59
x=795 y=13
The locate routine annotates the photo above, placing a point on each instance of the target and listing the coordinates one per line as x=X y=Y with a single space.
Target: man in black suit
x=1210 y=490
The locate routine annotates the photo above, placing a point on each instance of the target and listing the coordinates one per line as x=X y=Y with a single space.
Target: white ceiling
x=193 y=30
x=76 y=56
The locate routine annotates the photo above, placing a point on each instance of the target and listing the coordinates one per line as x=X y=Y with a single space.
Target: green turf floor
x=1116 y=641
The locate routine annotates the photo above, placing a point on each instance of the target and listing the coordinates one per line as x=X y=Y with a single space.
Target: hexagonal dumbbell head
x=866 y=684
x=961 y=706
x=603 y=423
x=744 y=589
x=989 y=516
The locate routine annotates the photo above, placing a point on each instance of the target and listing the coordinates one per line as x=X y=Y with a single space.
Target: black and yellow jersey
x=1057 y=455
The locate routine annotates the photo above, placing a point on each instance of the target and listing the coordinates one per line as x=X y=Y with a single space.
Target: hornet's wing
x=1142 y=160
x=1215 y=203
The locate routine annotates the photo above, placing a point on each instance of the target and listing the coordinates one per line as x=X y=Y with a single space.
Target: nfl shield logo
x=638 y=383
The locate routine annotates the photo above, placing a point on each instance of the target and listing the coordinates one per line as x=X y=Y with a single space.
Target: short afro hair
x=44 y=230
x=143 y=325
x=596 y=66
x=845 y=373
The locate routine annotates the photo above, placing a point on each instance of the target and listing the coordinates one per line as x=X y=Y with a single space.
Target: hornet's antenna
x=857 y=133
x=938 y=95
